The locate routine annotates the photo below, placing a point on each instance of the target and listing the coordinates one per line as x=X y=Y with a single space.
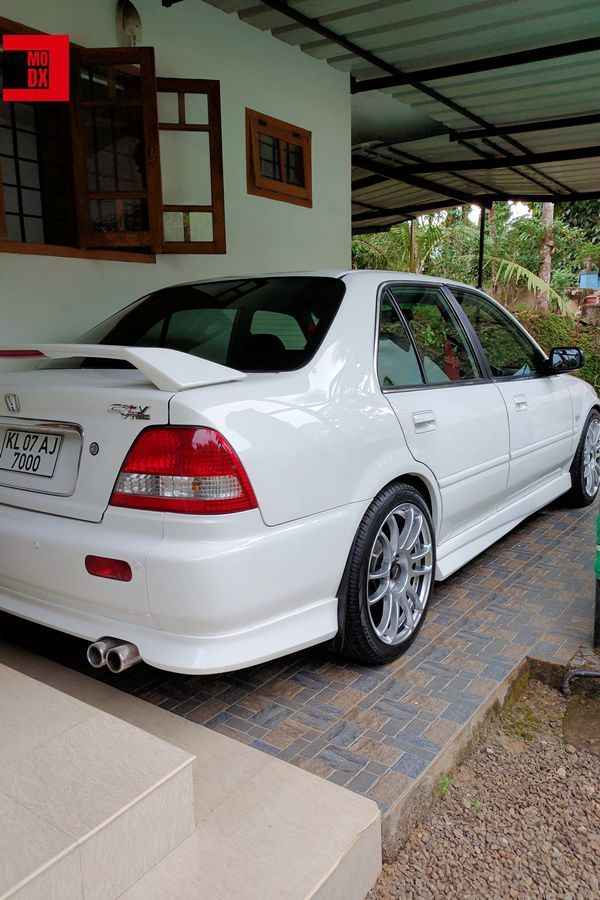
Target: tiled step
x=265 y=830
x=88 y=803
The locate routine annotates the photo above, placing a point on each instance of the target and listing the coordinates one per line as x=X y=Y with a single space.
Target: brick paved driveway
x=375 y=730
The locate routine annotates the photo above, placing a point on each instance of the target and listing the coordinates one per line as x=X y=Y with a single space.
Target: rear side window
x=443 y=348
x=253 y=324
x=397 y=363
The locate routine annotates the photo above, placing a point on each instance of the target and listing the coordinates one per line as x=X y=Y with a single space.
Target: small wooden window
x=278 y=159
x=189 y=122
x=115 y=148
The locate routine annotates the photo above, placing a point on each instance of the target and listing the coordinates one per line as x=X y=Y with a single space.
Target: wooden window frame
x=211 y=89
x=258 y=184
x=152 y=193
x=155 y=206
x=9 y=26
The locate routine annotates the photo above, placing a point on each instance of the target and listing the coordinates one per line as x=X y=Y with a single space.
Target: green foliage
x=447 y=245
x=443 y=786
x=553 y=330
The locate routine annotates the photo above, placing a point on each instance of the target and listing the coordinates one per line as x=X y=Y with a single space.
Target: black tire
x=359 y=638
x=578 y=496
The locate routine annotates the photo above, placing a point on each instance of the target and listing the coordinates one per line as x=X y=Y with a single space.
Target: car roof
x=370 y=275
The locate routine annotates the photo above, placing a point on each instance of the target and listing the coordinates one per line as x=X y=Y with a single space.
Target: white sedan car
x=231 y=470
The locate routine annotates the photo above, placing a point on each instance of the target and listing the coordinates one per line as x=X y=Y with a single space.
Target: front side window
x=444 y=351
x=278 y=159
x=252 y=324
x=509 y=351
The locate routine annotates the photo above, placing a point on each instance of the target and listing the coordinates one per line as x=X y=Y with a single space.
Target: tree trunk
x=414 y=247
x=546 y=251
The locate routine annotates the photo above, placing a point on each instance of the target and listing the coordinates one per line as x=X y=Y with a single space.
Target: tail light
x=184 y=470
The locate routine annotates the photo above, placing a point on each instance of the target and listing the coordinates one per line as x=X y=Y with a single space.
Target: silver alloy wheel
x=591 y=458
x=399 y=574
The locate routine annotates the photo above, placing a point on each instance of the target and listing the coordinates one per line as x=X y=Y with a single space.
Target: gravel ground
x=521 y=817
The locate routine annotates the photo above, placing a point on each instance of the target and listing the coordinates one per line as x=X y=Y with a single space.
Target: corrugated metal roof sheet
x=372 y=40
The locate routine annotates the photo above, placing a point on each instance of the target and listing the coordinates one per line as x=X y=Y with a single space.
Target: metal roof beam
x=336 y=38
x=504 y=162
x=522 y=127
x=470 y=67
x=406 y=176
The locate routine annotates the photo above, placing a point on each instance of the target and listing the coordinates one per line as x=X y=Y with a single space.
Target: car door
x=539 y=405
x=453 y=418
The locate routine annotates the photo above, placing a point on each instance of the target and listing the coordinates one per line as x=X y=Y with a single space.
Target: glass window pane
x=268 y=155
x=115 y=216
x=185 y=168
x=207 y=310
x=443 y=348
x=196 y=109
x=115 y=149
x=8 y=170
x=397 y=363
x=30 y=174
x=173 y=226
x=100 y=82
x=34 y=230
x=32 y=203
x=294 y=164
x=11 y=200
x=285 y=328
x=508 y=350
x=25 y=116
x=27 y=144
x=13 y=228
x=168 y=107
x=201 y=226
x=6 y=140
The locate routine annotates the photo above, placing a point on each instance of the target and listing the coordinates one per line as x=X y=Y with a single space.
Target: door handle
x=520 y=402
x=424 y=421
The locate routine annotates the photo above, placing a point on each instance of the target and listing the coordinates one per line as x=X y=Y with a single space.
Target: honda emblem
x=12 y=403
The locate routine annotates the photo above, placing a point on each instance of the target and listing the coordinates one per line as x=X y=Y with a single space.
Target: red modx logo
x=36 y=67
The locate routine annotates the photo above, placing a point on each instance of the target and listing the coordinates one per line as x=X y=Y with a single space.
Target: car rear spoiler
x=168 y=370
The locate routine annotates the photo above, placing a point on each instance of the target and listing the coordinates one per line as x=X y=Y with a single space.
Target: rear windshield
x=252 y=324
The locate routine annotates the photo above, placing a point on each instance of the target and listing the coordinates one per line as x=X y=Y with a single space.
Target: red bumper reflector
x=104 y=567
x=19 y=354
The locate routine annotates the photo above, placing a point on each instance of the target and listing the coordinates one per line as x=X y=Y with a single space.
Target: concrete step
x=88 y=803
x=265 y=830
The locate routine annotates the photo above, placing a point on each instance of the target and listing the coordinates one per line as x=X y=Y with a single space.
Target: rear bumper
x=207 y=595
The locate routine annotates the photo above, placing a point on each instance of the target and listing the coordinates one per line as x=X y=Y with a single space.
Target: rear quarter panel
x=318 y=438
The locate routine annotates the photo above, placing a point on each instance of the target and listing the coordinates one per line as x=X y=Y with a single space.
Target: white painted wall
x=51 y=298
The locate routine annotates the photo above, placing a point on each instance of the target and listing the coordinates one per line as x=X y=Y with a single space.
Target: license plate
x=30 y=452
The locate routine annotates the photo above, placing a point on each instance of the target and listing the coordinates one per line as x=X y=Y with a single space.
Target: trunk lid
x=62 y=414
x=64 y=433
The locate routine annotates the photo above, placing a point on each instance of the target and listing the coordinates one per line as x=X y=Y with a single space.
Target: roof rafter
x=487 y=64
x=523 y=127
x=502 y=162
x=405 y=175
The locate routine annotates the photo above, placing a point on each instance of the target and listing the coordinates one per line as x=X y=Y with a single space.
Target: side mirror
x=565 y=359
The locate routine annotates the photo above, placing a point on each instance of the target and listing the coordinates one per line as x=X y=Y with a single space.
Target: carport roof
x=455 y=101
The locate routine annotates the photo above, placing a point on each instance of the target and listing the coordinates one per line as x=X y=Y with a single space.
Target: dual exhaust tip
x=113 y=653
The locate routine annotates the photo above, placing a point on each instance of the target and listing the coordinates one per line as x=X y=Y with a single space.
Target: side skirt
x=458 y=551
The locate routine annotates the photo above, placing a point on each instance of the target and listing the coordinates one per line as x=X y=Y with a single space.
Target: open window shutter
x=115 y=148
x=189 y=122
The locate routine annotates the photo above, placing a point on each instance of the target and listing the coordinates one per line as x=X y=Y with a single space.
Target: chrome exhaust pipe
x=97 y=652
x=122 y=657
